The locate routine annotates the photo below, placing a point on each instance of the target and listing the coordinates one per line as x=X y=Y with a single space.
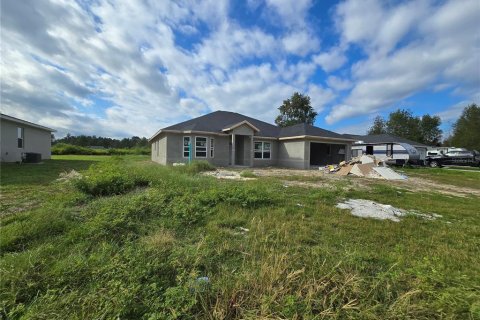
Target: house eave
x=188 y=132
x=316 y=138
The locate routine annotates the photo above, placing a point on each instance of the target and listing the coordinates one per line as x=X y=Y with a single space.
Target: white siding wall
x=35 y=140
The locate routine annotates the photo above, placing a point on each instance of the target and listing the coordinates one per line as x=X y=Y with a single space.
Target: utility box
x=32 y=157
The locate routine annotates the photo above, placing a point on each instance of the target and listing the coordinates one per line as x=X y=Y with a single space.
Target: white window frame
x=206 y=147
x=186 y=146
x=21 y=136
x=212 y=147
x=262 y=150
x=389 y=150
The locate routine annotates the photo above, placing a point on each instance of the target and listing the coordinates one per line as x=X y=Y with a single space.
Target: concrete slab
x=388 y=173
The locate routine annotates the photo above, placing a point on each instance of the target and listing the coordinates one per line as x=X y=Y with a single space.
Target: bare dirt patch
x=226 y=174
x=319 y=179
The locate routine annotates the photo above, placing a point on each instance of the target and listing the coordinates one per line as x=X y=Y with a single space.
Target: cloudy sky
x=123 y=68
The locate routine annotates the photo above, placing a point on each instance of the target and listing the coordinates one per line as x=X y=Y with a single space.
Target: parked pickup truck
x=454 y=158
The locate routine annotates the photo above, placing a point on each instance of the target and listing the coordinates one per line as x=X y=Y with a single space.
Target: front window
x=262 y=150
x=212 y=147
x=200 y=147
x=20 y=138
x=186 y=147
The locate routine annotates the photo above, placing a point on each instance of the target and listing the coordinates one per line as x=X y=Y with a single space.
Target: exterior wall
x=159 y=149
x=291 y=154
x=273 y=161
x=34 y=140
x=174 y=149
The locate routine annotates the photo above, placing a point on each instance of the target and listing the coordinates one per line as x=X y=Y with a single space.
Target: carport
x=322 y=154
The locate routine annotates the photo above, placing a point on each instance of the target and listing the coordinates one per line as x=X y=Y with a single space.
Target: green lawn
x=457 y=176
x=131 y=239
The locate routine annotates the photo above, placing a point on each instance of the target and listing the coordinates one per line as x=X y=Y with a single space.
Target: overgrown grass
x=460 y=178
x=68 y=149
x=247 y=174
x=135 y=250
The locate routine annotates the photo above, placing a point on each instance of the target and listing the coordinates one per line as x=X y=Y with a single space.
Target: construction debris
x=370 y=209
x=226 y=174
x=67 y=176
x=365 y=166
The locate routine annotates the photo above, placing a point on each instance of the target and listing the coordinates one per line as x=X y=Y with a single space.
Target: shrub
x=64 y=148
x=242 y=195
x=196 y=167
x=108 y=179
x=247 y=174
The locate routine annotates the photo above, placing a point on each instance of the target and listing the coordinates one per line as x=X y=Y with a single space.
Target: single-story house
x=399 y=149
x=19 y=137
x=232 y=139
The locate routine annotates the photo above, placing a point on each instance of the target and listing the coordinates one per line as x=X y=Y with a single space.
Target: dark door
x=369 y=150
x=239 y=150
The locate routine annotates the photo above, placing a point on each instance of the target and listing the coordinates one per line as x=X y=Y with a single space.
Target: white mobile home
x=19 y=138
x=399 y=150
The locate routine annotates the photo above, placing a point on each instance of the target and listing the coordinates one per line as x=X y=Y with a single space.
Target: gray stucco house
x=19 y=137
x=231 y=139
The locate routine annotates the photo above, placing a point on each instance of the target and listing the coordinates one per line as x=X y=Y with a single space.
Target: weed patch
x=108 y=179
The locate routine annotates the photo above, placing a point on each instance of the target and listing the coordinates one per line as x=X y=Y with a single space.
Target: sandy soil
x=329 y=180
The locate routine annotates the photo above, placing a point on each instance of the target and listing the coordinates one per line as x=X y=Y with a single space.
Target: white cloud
x=292 y=13
x=435 y=52
x=452 y=113
x=320 y=96
x=128 y=68
x=339 y=84
x=330 y=60
x=300 y=43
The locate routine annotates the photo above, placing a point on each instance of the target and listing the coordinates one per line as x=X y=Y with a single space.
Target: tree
x=430 y=129
x=379 y=126
x=466 y=130
x=295 y=110
x=402 y=123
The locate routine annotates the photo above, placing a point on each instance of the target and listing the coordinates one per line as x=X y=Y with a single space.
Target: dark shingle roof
x=219 y=120
x=383 y=138
x=304 y=129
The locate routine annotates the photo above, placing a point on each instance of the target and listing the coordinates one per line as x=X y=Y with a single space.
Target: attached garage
x=322 y=154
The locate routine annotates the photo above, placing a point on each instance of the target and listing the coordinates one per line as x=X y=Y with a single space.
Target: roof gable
x=217 y=121
x=24 y=122
x=244 y=122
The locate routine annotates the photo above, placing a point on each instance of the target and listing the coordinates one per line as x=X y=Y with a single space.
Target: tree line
x=108 y=143
x=402 y=123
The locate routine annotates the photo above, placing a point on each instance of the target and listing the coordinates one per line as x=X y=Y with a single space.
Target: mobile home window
x=212 y=147
x=200 y=147
x=262 y=150
x=20 y=138
x=186 y=147
x=389 y=149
